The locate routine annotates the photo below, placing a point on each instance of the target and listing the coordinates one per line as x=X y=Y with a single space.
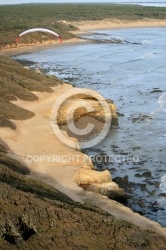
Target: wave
x=163 y=184
x=114 y=40
x=147 y=56
x=145 y=42
x=162 y=100
x=162 y=200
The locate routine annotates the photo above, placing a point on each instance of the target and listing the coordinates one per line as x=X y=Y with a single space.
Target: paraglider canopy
x=38 y=30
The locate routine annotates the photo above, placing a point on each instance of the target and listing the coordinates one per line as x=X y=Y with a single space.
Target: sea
x=127 y=66
x=161 y=3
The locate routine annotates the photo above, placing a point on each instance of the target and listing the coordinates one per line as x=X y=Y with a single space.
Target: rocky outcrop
x=90 y=176
x=100 y=182
x=97 y=113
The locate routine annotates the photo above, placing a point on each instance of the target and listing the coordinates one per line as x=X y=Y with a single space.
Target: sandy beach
x=34 y=137
x=86 y=26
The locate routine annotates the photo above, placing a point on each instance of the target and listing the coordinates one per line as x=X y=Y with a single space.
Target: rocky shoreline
x=27 y=228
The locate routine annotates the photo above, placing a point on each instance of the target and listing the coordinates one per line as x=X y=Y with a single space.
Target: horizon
x=12 y=2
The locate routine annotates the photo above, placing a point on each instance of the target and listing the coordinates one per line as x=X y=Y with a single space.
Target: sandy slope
x=86 y=26
x=35 y=137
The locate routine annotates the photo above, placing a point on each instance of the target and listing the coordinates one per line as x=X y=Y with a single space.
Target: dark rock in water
x=114 y=146
x=141 y=118
x=112 y=191
x=156 y=90
x=120 y=114
x=138 y=211
x=163 y=195
x=100 y=160
x=119 y=196
x=143 y=187
x=140 y=203
x=123 y=182
x=138 y=175
x=135 y=148
x=146 y=174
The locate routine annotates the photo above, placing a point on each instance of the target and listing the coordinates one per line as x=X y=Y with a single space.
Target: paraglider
x=38 y=30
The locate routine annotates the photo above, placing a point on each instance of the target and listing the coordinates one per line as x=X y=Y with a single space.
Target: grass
x=16 y=82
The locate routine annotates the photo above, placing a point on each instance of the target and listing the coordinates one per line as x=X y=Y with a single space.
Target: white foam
x=146 y=56
x=162 y=100
x=163 y=184
x=161 y=215
x=145 y=42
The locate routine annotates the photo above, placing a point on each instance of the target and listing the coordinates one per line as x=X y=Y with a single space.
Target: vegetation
x=33 y=214
x=17 y=82
x=17 y=18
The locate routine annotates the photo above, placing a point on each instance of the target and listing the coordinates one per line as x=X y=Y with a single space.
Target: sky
x=49 y=1
x=69 y=1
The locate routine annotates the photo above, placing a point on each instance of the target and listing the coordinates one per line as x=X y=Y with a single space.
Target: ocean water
x=144 y=3
x=129 y=67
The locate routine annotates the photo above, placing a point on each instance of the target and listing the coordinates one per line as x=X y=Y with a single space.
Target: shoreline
x=61 y=175
x=87 y=26
x=66 y=183
x=26 y=49
x=84 y=28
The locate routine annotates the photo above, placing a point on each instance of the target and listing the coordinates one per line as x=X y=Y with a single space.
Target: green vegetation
x=17 y=18
x=17 y=82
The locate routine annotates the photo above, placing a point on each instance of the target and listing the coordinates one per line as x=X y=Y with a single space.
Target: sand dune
x=86 y=26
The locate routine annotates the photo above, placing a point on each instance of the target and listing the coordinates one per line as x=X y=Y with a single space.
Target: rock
x=100 y=182
x=156 y=90
x=97 y=112
x=100 y=160
x=146 y=174
x=90 y=176
x=110 y=189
